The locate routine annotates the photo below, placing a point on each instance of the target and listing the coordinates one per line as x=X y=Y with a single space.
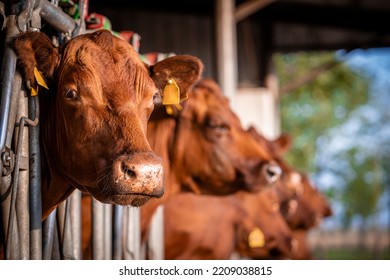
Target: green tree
x=308 y=111
x=360 y=196
x=319 y=92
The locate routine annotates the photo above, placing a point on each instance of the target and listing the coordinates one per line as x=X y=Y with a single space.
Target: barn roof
x=298 y=24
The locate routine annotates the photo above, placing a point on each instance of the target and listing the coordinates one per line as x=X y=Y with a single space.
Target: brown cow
x=201 y=226
x=94 y=117
x=213 y=227
x=264 y=209
x=206 y=150
x=290 y=177
x=302 y=205
x=311 y=206
x=302 y=249
x=207 y=227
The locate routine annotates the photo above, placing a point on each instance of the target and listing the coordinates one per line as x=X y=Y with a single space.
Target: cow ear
x=34 y=49
x=184 y=70
x=282 y=144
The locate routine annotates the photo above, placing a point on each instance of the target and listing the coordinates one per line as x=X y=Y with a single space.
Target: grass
x=351 y=254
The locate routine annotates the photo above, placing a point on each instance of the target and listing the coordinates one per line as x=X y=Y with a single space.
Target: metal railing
x=115 y=230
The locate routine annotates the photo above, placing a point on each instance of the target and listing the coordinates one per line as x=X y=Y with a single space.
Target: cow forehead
x=117 y=67
x=112 y=49
x=205 y=103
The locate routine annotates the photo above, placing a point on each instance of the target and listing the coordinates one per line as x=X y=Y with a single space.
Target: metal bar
x=117 y=232
x=75 y=219
x=156 y=235
x=126 y=252
x=15 y=182
x=35 y=184
x=5 y=203
x=6 y=181
x=64 y=230
x=48 y=235
x=97 y=230
x=22 y=209
x=107 y=231
x=56 y=253
x=60 y=219
x=80 y=29
x=9 y=95
x=132 y=246
x=7 y=76
x=57 y=18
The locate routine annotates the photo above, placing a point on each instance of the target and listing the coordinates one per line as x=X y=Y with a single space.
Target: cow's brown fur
x=200 y=226
x=302 y=205
x=264 y=209
x=205 y=149
x=94 y=117
x=311 y=206
x=213 y=227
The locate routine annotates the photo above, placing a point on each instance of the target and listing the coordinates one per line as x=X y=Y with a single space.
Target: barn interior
x=236 y=40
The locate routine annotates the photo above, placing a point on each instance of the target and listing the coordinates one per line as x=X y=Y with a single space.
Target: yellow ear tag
x=256 y=238
x=183 y=96
x=39 y=78
x=171 y=94
x=169 y=108
x=34 y=92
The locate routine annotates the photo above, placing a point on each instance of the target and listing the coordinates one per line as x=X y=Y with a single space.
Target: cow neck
x=161 y=135
x=55 y=189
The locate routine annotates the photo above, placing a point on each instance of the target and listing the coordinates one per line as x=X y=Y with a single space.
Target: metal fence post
x=35 y=184
x=132 y=234
x=156 y=235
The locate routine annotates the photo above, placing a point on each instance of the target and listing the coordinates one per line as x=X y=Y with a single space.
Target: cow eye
x=157 y=98
x=216 y=124
x=71 y=94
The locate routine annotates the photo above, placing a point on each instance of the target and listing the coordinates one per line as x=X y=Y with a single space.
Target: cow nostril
x=128 y=173
x=272 y=172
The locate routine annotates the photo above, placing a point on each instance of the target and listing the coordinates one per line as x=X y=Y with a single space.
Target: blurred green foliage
x=363 y=191
x=310 y=110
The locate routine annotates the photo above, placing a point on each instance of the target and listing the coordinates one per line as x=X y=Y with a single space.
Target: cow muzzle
x=271 y=172
x=138 y=174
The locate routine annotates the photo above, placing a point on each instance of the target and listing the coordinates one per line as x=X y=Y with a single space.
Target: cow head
x=311 y=206
x=302 y=205
x=94 y=117
x=290 y=178
x=212 y=152
x=268 y=237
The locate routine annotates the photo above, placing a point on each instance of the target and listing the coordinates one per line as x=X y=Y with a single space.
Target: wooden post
x=226 y=46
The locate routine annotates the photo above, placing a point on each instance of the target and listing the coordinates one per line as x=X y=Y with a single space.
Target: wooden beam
x=343 y=17
x=226 y=47
x=250 y=7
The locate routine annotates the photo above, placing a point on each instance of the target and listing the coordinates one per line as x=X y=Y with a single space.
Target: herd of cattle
x=128 y=133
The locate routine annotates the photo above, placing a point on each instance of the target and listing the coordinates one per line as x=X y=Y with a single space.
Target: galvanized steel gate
x=115 y=230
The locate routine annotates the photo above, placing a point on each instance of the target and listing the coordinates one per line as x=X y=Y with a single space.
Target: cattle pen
x=59 y=236
x=234 y=38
